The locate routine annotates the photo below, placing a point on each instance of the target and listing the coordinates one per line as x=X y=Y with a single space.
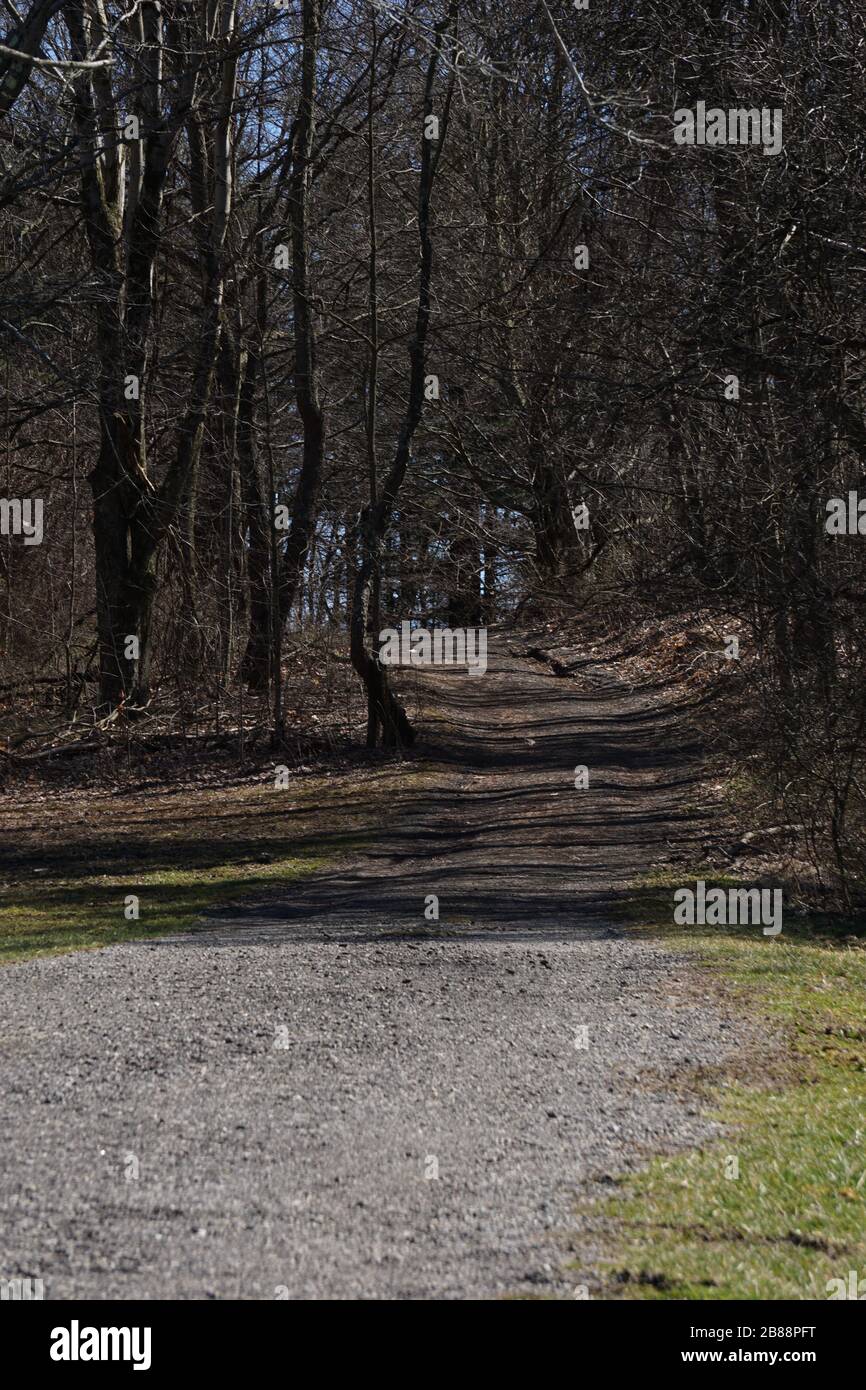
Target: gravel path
x=327 y=1095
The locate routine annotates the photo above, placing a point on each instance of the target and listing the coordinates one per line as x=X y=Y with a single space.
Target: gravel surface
x=327 y=1095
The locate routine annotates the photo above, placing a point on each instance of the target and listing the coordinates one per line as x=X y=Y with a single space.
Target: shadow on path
x=502 y=837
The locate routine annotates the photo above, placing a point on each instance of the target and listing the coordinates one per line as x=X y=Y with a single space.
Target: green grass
x=68 y=865
x=796 y=1215
x=58 y=915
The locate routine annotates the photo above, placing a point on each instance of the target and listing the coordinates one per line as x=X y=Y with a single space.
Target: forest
x=343 y=339
x=320 y=318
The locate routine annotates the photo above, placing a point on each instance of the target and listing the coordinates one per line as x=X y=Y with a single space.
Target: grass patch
x=55 y=916
x=69 y=862
x=795 y=1217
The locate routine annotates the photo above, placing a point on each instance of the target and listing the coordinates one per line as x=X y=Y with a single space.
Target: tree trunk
x=383 y=706
x=306 y=372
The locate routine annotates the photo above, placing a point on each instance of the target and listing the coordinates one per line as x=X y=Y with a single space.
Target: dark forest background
x=296 y=342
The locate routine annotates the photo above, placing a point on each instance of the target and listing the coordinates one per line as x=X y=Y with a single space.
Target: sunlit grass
x=69 y=866
x=795 y=1217
x=44 y=918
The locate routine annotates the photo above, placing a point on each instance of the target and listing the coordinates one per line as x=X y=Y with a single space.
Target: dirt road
x=330 y=1095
